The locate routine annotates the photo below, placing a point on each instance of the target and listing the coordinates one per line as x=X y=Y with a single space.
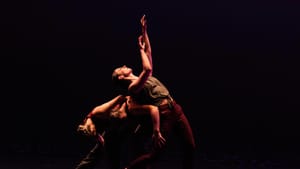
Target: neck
x=131 y=77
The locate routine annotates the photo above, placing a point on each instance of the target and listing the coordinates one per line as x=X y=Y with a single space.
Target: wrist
x=156 y=131
x=90 y=115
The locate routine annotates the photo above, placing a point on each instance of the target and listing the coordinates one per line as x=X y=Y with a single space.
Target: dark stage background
x=233 y=65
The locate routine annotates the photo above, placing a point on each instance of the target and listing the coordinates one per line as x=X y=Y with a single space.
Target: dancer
x=107 y=119
x=111 y=120
x=145 y=89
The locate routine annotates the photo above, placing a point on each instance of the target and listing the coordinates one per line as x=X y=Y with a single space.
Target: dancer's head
x=120 y=78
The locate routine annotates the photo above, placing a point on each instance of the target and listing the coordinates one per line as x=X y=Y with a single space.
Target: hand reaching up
x=144 y=23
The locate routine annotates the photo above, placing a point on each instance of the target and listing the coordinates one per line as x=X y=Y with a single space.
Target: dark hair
x=119 y=86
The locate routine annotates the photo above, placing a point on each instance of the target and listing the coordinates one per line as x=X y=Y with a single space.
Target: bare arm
x=103 y=110
x=158 y=139
x=146 y=38
x=142 y=109
x=146 y=57
x=153 y=111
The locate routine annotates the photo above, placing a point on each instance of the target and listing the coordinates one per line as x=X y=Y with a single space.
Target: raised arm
x=146 y=57
x=146 y=38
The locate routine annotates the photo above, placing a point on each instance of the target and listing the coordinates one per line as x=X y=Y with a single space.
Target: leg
x=185 y=132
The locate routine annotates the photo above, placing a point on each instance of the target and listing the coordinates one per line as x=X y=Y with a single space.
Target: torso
x=153 y=93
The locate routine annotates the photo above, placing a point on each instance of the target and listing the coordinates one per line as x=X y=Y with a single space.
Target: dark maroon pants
x=172 y=120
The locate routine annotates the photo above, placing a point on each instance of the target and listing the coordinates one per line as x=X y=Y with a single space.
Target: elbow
x=148 y=70
x=149 y=73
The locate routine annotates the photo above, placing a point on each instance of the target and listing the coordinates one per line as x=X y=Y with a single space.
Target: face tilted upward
x=123 y=71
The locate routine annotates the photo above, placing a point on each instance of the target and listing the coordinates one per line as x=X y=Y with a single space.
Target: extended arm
x=158 y=139
x=138 y=109
x=145 y=39
x=103 y=110
x=146 y=57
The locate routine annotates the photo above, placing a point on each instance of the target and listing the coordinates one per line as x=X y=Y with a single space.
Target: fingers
x=80 y=127
x=83 y=130
x=159 y=141
x=87 y=130
x=163 y=140
x=92 y=130
x=143 y=19
x=143 y=22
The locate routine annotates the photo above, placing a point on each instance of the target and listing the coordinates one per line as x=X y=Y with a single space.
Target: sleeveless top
x=152 y=93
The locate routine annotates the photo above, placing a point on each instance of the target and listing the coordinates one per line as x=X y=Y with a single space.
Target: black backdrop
x=233 y=65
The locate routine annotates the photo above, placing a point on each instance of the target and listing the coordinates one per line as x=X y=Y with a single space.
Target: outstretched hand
x=158 y=140
x=144 y=23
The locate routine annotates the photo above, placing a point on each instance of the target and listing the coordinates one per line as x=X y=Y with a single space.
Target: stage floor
x=202 y=162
